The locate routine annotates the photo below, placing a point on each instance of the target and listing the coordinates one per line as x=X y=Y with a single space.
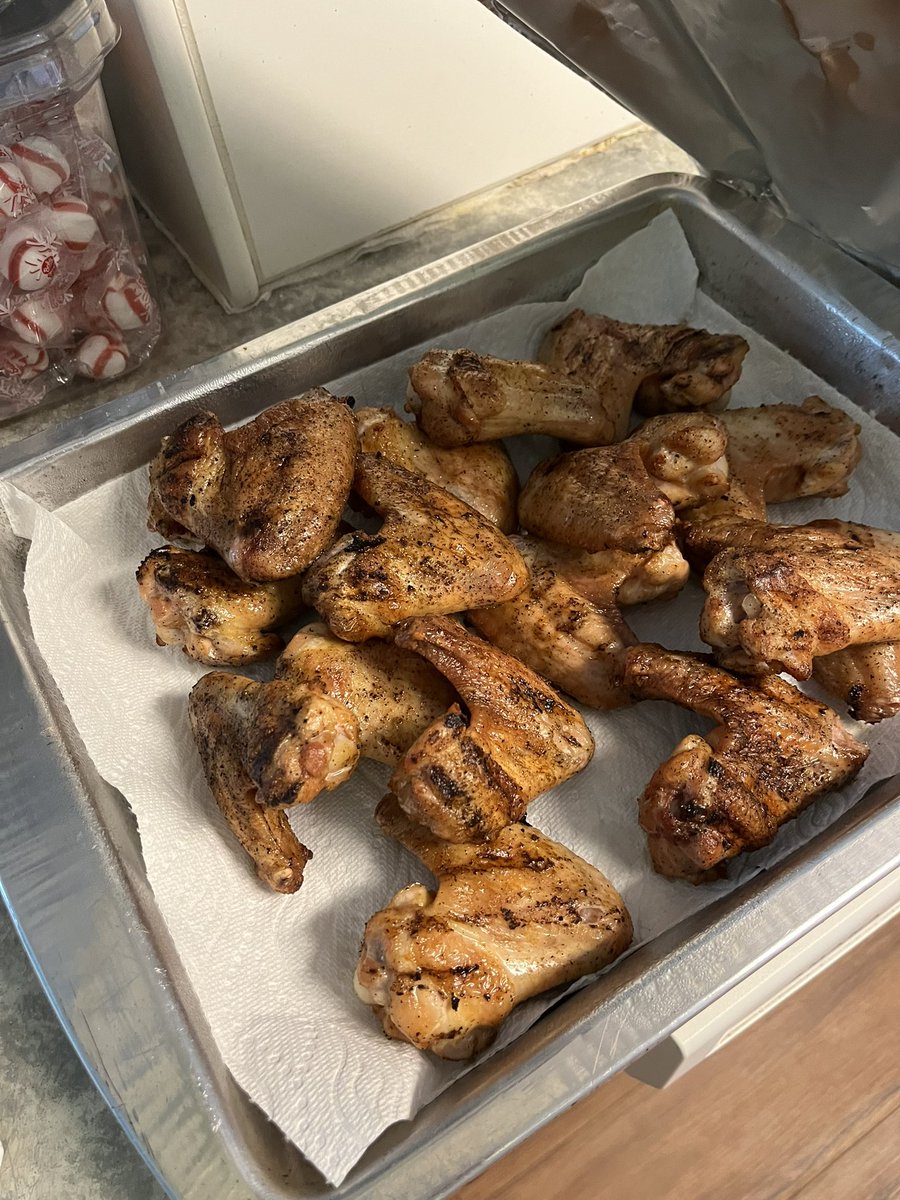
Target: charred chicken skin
x=772 y=752
x=433 y=554
x=511 y=918
x=478 y=767
x=482 y=475
x=198 y=603
x=550 y=627
x=267 y=496
x=657 y=368
x=460 y=397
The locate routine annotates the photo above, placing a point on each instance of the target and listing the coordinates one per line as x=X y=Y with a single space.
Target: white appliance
x=263 y=137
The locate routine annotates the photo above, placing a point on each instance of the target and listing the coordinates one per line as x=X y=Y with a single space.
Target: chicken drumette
x=433 y=554
x=510 y=919
x=659 y=368
x=267 y=496
x=772 y=752
x=556 y=631
x=198 y=603
x=482 y=476
x=478 y=767
x=460 y=397
x=265 y=746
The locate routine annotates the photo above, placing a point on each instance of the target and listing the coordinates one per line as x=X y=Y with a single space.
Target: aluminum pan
x=69 y=859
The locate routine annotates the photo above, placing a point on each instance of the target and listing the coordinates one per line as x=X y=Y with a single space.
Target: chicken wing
x=659 y=368
x=460 y=397
x=793 y=450
x=865 y=678
x=615 y=576
x=482 y=476
x=550 y=627
x=511 y=918
x=597 y=499
x=684 y=455
x=198 y=603
x=778 y=610
x=477 y=769
x=772 y=752
x=433 y=554
x=393 y=694
x=219 y=706
x=267 y=496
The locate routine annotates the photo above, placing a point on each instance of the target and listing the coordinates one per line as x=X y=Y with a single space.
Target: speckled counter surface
x=59 y=1139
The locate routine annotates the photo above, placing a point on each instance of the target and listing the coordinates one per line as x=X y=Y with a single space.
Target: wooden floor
x=803 y=1106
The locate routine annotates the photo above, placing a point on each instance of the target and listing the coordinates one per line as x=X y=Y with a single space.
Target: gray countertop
x=59 y=1139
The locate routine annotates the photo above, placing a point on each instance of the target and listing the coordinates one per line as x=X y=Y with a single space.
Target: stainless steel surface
x=798 y=97
x=70 y=863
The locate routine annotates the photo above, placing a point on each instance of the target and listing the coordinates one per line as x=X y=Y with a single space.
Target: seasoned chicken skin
x=550 y=627
x=267 y=496
x=616 y=576
x=865 y=678
x=477 y=768
x=778 y=610
x=659 y=368
x=198 y=603
x=510 y=919
x=482 y=476
x=433 y=554
x=685 y=455
x=793 y=450
x=459 y=397
x=772 y=752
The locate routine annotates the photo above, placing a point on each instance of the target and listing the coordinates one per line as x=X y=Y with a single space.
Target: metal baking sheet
x=70 y=866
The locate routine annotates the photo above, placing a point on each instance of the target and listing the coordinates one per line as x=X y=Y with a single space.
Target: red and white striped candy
x=73 y=222
x=20 y=361
x=37 y=322
x=15 y=192
x=126 y=302
x=101 y=357
x=42 y=163
x=28 y=258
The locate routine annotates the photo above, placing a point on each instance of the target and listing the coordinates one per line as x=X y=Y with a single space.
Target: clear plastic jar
x=76 y=296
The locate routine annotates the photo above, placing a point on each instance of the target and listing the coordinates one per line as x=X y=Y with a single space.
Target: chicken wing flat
x=219 y=707
x=511 y=918
x=617 y=577
x=597 y=499
x=778 y=610
x=477 y=769
x=550 y=627
x=267 y=496
x=393 y=694
x=198 y=603
x=460 y=397
x=433 y=554
x=658 y=368
x=482 y=475
x=772 y=752
x=685 y=455
x=793 y=450
x=865 y=678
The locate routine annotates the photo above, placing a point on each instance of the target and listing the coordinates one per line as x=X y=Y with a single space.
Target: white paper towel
x=273 y=973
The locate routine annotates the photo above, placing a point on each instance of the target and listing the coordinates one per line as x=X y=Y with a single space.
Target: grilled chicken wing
x=793 y=450
x=553 y=629
x=393 y=694
x=597 y=499
x=220 y=706
x=684 y=454
x=778 y=610
x=659 y=368
x=772 y=752
x=433 y=554
x=482 y=476
x=510 y=919
x=267 y=496
x=198 y=603
x=475 y=770
x=615 y=576
x=460 y=397
x=866 y=678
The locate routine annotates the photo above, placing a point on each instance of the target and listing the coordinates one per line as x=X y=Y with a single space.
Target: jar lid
x=51 y=47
